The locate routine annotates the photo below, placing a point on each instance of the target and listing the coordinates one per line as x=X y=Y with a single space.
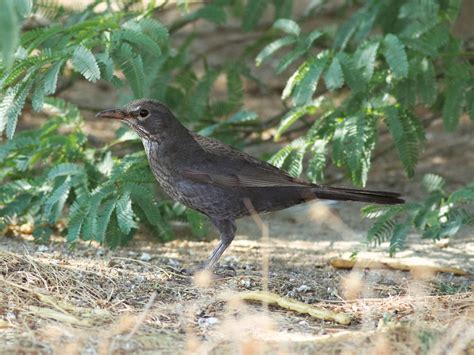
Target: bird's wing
x=236 y=168
x=242 y=179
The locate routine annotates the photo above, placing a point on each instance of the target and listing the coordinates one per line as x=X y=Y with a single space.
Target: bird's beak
x=113 y=114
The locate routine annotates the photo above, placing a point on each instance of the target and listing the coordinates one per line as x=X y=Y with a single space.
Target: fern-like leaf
x=140 y=40
x=141 y=198
x=453 y=103
x=155 y=30
x=51 y=78
x=295 y=162
x=383 y=227
x=352 y=74
x=64 y=169
x=293 y=115
x=374 y=211
x=365 y=59
x=303 y=44
x=132 y=67
x=333 y=77
x=90 y=228
x=114 y=237
x=398 y=238
x=288 y=26
x=58 y=197
x=317 y=162
x=405 y=138
x=14 y=110
x=282 y=157
x=7 y=105
x=104 y=219
x=9 y=31
x=306 y=81
x=85 y=63
x=395 y=54
x=465 y=194
x=77 y=214
x=433 y=182
x=272 y=47
x=125 y=214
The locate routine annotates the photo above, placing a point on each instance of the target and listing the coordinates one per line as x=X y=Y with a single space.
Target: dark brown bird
x=217 y=179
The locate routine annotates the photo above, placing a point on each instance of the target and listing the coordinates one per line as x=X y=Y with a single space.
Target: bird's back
x=240 y=162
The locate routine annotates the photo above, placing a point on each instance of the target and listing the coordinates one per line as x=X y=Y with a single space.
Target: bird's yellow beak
x=113 y=114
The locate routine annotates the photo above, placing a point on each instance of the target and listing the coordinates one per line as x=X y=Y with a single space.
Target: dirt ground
x=92 y=300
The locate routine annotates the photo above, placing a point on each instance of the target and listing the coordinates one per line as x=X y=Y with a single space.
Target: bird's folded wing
x=252 y=178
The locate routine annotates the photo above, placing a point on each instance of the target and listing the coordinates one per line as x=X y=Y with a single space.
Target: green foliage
x=394 y=52
x=388 y=73
x=403 y=128
x=439 y=215
x=106 y=196
x=12 y=13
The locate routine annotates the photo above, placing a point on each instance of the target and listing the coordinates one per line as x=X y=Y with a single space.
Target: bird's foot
x=223 y=271
x=190 y=271
x=218 y=271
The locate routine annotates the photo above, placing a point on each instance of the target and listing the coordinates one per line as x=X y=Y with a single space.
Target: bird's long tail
x=347 y=194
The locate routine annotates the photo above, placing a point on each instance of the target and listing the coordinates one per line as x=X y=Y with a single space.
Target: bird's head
x=149 y=118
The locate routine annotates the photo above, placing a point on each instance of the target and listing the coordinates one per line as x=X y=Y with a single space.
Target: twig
x=341 y=263
x=299 y=307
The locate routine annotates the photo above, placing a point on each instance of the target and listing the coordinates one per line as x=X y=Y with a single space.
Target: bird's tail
x=347 y=194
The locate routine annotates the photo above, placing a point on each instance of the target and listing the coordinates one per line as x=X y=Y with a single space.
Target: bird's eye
x=143 y=113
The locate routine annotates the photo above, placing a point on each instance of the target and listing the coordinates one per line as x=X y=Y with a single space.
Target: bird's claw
x=219 y=271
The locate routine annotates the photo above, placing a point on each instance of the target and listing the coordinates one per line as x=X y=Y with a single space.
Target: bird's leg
x=227 y=232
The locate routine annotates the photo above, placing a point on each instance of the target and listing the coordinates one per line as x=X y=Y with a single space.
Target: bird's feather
x=236 y=169
x=242 y=179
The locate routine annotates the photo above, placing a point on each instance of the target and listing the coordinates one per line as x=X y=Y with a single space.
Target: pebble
x=207 y=321
x=145 y=257
x=303 y=323
x=303 y=288
x=42 y=248
x=173 y=263
x=245 y=283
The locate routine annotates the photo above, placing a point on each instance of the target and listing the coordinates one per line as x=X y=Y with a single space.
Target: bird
x=219 y=180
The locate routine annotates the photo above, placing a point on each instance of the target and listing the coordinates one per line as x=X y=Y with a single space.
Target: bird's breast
x=162 y=167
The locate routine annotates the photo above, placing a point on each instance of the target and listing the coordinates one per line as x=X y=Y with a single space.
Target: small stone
x=145 y=257
x=303 y=288
x=245 y=283
x=173 y=263
x=207 y=321
x=42 y=248
x=303 y=323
